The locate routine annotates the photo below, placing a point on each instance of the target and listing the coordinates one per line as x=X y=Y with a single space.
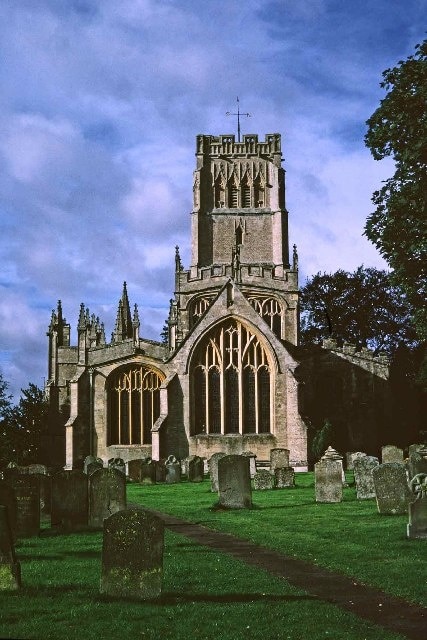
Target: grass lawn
x=349 y=537
x=211 y=596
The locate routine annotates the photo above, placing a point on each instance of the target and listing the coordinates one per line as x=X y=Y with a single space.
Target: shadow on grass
x=175 y=599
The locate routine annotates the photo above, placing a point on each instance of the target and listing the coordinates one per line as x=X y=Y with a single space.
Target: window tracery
x=271 y=310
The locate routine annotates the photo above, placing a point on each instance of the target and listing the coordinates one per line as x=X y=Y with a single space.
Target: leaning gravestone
x=417 y=526
x=117 y=463
x=328 y=480
x=148 y=471
x=390 y=453
x=278 y=458
x=285 y=477
x=107 y=495
x=195 y=469
x=173 y=470
x=234 y=482
x=132 y=555
x=27 y=495
x=213 y=469
x=263 y=480
x=363 y=468
x=392 y=491
x=8 y=500
x=69 y=500
x=10 y=570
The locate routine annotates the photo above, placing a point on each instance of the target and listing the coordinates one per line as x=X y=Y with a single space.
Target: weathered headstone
x=417 y=526
x=392 y=491
x=69 y=500
x=10 y=570
x=117 y=463
x=173 y=470
x=27 y=495
x=195 y=469
x=413 y=448
x=332 y=454
x=285 y=477
x=213 y=469
x=278 y=458
x=417 y=461
x=234 y=482
x=390 y=453
x=134 y=469
x=132 y=555
x=351 y=456
x=363 y=468
x=107 y=495
x=8 y=500
x=263 y=480
x=93 y=465
x=328 y=480
x=148 y=471
x=252 y=462
x=38 y=469
x=160 y=471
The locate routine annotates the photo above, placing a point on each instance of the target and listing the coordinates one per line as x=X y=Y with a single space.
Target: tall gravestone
x=328 y=480
x=27 y=495
x=285 y=477
x=213 y=469
x=132 y=555
x=69 y=500
x=278 y=458
x=363 y=468
x=392 y=491
x=8 y=500
x=417 y=526
x=390 y=453
x=10 y=570
x=107 y=495
x=195 y=469
x=234 y=482
x=173 y=470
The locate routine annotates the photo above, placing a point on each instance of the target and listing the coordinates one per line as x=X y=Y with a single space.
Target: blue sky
x=100 y=104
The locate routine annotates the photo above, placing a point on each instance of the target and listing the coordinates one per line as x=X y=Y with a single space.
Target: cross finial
x=238 y=114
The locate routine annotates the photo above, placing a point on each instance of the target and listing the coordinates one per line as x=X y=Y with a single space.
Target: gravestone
x=160 y=471
x=252 y=462
x=173 y=470
x=363 y=468
x=8 y=500
x=69 y=500
x=285 y=477
x=117 y=463
x=328 y=480
x=38 y=469
x=390 y=453
x=351 y=456
x=392 y=491
x=148 y=471
x=332 y=454
x=91 y=460
x=417 y=461
x=107 y=495
x=417 y=526
x=234 y=482
x=213 y=469
x=278 y=458
x=195 y=469
x=94 y=466
x=134 y=469
x=132 y=555
x=413 y=448
x=10 y=570
x=263 y=480
x=27 y=495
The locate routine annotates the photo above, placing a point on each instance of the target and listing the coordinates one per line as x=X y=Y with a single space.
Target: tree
x=398 y=226
x=364 y=308
x=5 y=405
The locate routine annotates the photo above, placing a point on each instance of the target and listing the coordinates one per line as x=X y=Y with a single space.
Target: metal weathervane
x=238 y=114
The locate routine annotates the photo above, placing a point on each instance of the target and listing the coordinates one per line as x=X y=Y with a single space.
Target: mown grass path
x=366 y=602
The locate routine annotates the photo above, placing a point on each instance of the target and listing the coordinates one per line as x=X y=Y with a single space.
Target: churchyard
x=66 y=580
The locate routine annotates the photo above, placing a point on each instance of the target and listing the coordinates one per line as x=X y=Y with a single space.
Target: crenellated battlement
x=226 y=145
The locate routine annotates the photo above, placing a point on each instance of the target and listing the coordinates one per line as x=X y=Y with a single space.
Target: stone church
x=230 y=376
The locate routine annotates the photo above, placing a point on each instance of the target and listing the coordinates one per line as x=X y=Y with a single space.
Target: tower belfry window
x=246 y=195
x=233 y=200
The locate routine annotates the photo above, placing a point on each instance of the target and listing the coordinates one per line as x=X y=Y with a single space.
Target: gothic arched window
x=231 y=383
x=134 y=405
x=271 y=310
